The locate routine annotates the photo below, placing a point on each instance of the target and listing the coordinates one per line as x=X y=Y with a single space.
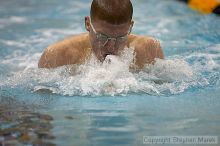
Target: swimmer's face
x=107 y=39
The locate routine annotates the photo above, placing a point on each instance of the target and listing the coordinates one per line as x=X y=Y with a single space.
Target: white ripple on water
x=180 y=124
x=12 y=20
x=51 y=32
x=13 y=43
x=206 y=61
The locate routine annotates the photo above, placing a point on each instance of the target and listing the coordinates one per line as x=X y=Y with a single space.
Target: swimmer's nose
x=111 y=44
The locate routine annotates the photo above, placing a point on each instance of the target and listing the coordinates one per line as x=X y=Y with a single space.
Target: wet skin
x=77 y=49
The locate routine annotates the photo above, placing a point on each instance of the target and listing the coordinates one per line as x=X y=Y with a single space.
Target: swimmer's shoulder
x=134 y=40
x=147 y=49
x=72 y=50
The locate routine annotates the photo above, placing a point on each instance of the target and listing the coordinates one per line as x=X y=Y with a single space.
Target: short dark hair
x=112 y=11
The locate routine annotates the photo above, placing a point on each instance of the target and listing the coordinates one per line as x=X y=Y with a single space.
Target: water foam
x=112 y=77
x=95 y=78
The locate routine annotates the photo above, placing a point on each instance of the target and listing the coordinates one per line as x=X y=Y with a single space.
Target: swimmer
x=109 y=33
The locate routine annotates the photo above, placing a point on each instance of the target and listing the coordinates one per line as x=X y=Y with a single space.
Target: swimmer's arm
x=68 y=51
x=58 y=55
x=147 y=49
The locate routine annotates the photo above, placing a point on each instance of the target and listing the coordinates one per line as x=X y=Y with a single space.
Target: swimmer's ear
x=131 y=26
x=132 y=23
x=87 y=23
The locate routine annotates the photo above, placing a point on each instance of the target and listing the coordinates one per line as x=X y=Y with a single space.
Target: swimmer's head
x=112 y=11
x=109 y=25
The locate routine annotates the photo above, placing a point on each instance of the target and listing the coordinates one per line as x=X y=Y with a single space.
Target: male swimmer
x=109 y=32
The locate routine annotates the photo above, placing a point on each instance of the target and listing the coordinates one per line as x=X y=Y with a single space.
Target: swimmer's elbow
x=153 y=48
x=46 y=60
x=42 y=62
x=156 y=49
x=159 y=51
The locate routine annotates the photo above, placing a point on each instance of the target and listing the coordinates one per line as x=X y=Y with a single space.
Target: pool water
x=106 y=104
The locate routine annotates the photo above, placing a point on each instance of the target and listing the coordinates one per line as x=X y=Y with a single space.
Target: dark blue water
x=106 y=104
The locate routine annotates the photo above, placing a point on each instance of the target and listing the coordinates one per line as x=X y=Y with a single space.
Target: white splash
x=94 y=78
x=112 y=77
x=169 y=70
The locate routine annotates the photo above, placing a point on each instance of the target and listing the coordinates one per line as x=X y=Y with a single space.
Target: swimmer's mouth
x=108 y=54
x=105 y=55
